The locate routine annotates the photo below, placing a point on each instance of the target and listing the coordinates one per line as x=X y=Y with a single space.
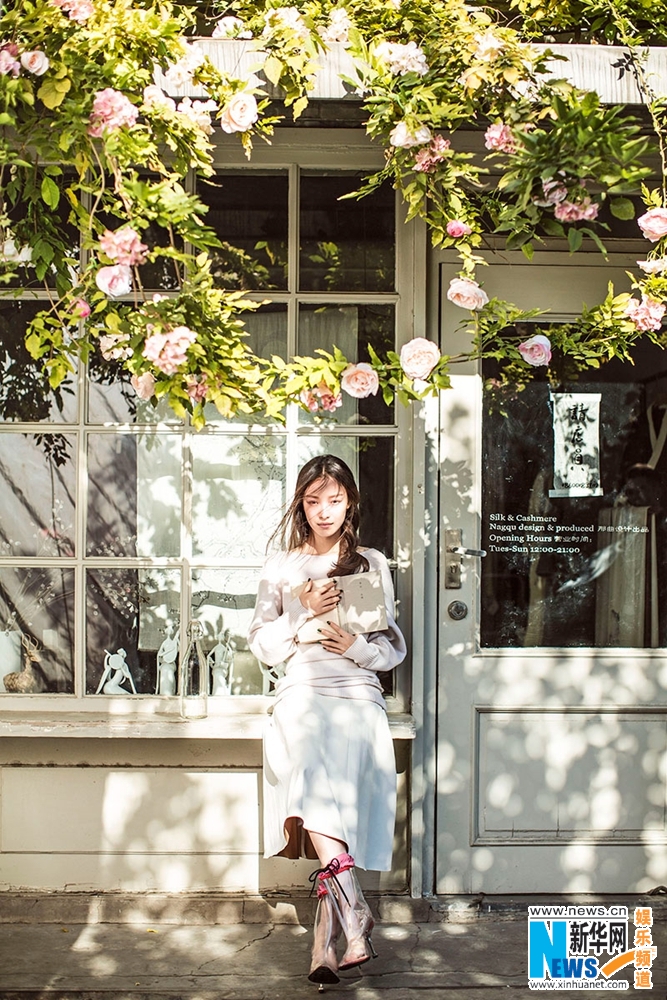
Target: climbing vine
x=89 y=140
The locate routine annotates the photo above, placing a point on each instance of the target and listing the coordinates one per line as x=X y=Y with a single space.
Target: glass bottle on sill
x=193 y=675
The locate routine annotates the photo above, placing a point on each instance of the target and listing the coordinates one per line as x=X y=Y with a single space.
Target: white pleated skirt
x=329 y=767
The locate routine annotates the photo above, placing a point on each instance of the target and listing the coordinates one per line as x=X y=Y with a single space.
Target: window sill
x=232 y=727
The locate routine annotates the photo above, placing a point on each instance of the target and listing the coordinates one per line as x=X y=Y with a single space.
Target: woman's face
x=325 y=506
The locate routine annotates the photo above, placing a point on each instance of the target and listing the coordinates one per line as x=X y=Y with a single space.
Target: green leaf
x=574 y=239
x=273 y=69
x=622 y=208
x=52 y=92
x=50 y=192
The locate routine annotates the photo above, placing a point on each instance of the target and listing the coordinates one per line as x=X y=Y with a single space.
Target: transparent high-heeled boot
x=355 y=917
x=324 y=963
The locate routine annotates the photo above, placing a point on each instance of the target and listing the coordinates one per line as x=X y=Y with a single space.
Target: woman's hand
x=335 y=639
x=320 y=600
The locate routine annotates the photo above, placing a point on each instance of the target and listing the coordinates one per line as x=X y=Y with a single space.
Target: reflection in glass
x=346 y=246
x=112 y=400
x=36 y=630
x=223 y=600
x=371 y=460
x=248 y=212
x=134 y=495
x=132 y=617
x=351 y=328
x=238 y=494
x=25 y=393
x=37 y=490
x=577 y=570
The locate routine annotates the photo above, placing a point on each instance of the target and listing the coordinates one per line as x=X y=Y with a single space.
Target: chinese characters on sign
x=566 y=945
x=576 y=423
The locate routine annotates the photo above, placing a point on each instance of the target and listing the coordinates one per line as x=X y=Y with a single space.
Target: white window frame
x=235 y=717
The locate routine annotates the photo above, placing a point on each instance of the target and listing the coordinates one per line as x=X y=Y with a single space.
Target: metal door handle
x=454 y=552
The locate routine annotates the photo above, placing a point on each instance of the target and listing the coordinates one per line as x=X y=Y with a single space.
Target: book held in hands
x=361 y=607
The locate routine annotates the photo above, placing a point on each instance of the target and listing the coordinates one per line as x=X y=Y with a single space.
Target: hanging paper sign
x=576 y=418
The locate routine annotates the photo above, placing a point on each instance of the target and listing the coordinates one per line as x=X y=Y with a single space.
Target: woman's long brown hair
x=294 y=530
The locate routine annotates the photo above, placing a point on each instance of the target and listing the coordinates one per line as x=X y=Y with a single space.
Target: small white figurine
x=167 y=655
x=116 y=672
x=221 y=665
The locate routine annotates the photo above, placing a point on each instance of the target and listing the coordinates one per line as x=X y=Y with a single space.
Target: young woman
x=329 y=771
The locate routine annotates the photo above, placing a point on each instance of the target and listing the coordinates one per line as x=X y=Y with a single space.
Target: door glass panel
x=37 y=490
x=575 y=510
x=132 y=623
x=224 y=601
x=36 y=630
x=351 y=328
x=346 y=246
x=238 y=494
x=134 y=495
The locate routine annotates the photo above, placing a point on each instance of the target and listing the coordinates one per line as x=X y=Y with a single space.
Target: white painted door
x=552 y=707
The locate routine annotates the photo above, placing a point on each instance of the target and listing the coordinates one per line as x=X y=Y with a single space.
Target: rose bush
x=81 y=115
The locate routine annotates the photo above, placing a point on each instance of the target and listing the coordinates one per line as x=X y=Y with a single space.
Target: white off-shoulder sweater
x=278 y=616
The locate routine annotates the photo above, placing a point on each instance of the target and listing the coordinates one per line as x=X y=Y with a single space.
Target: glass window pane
x=574 y=512
x=224 y=601
x=37 y=637
x=112 y=400
x=371 y=460
x=267 y=335
x=37 y=491
x=59 y=241
x=238 y=494
x=248 y=212
x=134 y=495
x=346 y=246
x=25 y=393
x=132 y=622
x=351 y=328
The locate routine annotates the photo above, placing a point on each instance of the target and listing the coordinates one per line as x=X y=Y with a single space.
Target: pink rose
x=155 y=99
x=536 y=351
x=456 y=229
x=114 y=280
x=239 y=114
x=36 y=62
x=111 y=110
x=78 y=10
x=653 y=224
x=321 y=398
x=115 y=346
x=466 y=293
x=360 y=380
x=575 y=211
x=402 y=138
x=647 y=314
x=554 y=191
x=8 y=64
x=196 y=388
x=124 y=246
x=168 y=351
x=143 y=385
x=655 y=266
x=419 y=357
x=80 y=309
x=500 y=139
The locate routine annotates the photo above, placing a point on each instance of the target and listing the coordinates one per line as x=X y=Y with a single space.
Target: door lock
x=457 y=611
x=454 y=552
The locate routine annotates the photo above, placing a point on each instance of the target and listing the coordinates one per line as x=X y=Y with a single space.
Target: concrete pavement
x=461 y=948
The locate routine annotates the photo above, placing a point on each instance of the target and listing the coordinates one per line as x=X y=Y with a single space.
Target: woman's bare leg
x=327 y=847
